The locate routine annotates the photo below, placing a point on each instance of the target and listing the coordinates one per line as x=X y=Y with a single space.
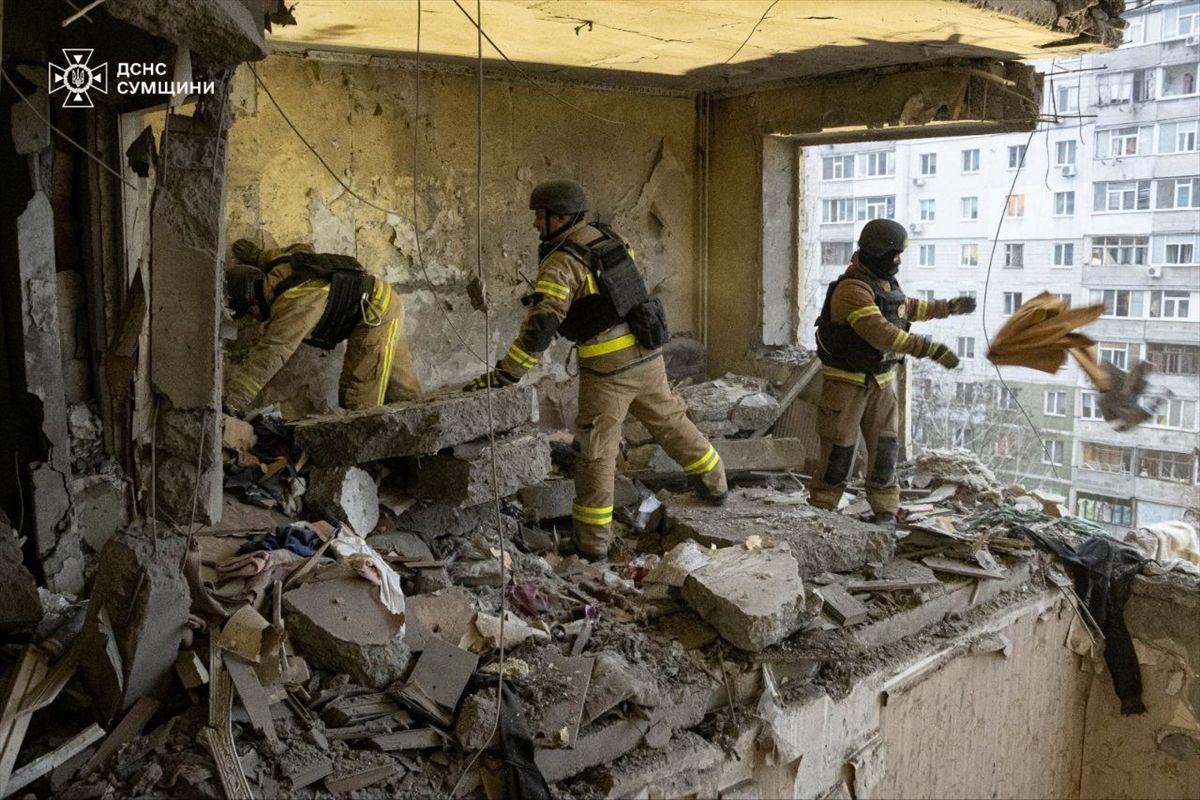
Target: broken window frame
x=1171 y=358
x=1166 y=465
x=1101 y=457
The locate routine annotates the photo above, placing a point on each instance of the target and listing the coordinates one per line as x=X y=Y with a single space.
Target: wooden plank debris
x=48 y=762
x=961 y=568
x=253 y=695
x=885 y=585
x=415 y=739
x=190 y=669
x=361 y=779
x=130 y=726
x=439 y=679
x=48 y=689
x=841 y=606
x=27 y=674
x=218 y=735
x=344 y=712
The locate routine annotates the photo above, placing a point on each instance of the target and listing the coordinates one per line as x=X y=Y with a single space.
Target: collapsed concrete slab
x=135 y=621
x=464 y=476
x=738 y=455
x=20 y=605
x=552 y=499
x=343 y=494
x=752 y=597
x=338 y=623
x=820 y=541
x=412 y=429
x=736 y=401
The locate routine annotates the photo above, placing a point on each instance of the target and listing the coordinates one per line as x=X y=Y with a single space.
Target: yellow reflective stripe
x=381 y=296
x=610 y=346
x=591 y=284
x=521 y=357
x=704 y=463
x=901 y=338
x=553 y=289
x=305 y=288
x=592 y=515
x=840 y=374
x=884 y=378
x=244 y=380
x=866 y=311
x=922 y=310
x=389 y=349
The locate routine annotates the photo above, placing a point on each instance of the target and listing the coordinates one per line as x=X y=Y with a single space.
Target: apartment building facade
x=1100 y=205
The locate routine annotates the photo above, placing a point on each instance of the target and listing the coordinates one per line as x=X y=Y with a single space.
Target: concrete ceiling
x=691 y=44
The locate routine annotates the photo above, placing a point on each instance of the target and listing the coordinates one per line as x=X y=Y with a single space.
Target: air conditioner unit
x=914 y=227
x=1192 y=41
x=1068 y=170
x=918 y=181
x=1154 y=272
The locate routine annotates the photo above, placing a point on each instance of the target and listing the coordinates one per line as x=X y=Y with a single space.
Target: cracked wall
x=639 y=175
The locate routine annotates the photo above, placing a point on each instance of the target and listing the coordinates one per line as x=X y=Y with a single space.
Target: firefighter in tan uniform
x=589 y=290
x=862 y=335
x=321 y=299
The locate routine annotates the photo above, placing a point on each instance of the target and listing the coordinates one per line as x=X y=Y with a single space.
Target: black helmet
x=559 y=197
x=881 y=236
x=244 y=285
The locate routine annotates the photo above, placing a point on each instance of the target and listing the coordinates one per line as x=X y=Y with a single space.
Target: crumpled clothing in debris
x=298 y=539
x=1103 y=569
x=270 y=477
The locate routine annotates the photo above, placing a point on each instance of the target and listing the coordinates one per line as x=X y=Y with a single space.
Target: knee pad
x=887 y=448
x=838 y=469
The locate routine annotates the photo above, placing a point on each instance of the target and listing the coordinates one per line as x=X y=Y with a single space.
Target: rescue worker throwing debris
x=321 y=299
x=590 y=291
x=862 y=335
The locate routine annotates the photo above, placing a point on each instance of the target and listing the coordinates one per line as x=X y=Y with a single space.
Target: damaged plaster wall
x=639 y=175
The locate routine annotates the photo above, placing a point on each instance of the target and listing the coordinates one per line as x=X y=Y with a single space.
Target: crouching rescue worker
x=589 y=290
x=862 y=335
x=322 y=299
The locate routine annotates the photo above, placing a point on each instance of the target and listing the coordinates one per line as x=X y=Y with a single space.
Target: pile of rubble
x=361 y=649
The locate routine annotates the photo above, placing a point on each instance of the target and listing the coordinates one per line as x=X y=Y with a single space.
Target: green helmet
x=881 y=236
x=244 y=286
x=559 y=197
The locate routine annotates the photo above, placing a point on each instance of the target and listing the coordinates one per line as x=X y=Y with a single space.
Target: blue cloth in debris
x=300 y=541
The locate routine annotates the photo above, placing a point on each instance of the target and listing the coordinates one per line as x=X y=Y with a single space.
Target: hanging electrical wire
x=753 y=30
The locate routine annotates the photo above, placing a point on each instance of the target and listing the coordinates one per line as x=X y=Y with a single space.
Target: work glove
x=498 y=378
x=942 y=355
x=247 y=252
x=961 y=305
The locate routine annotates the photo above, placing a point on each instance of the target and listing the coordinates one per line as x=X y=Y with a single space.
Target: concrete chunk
x=343 y=494
x=20 y=605
x=820 y=541
x=552 y=499
x=338 y=623
x=463 y=477
x=412 y=429
x=752 y=597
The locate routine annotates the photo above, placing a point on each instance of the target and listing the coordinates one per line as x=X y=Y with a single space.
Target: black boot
x=706 y=494
x=885 y=520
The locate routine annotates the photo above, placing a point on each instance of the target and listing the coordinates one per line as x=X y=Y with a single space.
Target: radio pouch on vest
x=648 y=323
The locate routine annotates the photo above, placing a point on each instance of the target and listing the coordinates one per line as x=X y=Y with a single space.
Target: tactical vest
x=838 y=345
x=620 y=291
x=349 y=287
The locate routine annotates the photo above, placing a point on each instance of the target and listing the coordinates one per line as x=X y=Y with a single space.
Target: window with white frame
x=838 y=209
x=1115 y=353
x=964 y=393
x=1016 y=206
x=970 y=208
x=1175 y=412
x=1099 y=508
x=1052 y=452
x=1119 y=251
x=836 y=253
x=970 y=161
x=1117 y=142
x=875 y=207
x=966 y=347
x=1179 y=80
x=877 y=164
x=1012 y=301
x=1118 y=88
x=1174 y=359
x=1089 y=406
x=926 y=255
x=1016 y=154
x=929 y=163
x=1181 y=20
x=1014 y=255
x=1064 y=254
x=1064 y=153
x=1177 y=193
x=1166 y=465
x=1119 y=302
x=1170 y=304
x=1066 y=99
x=969 y=255
x=1177 y=137
x=1122 y=195
x=1007 y=399
x=1106 y=458
x=1064 y=204
x=837 y=168
x=1135 y=31
x=1056 y=403
x=1178 y=252
x=928 y=210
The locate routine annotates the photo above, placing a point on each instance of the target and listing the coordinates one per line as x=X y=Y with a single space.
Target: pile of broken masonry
x=359 y=650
